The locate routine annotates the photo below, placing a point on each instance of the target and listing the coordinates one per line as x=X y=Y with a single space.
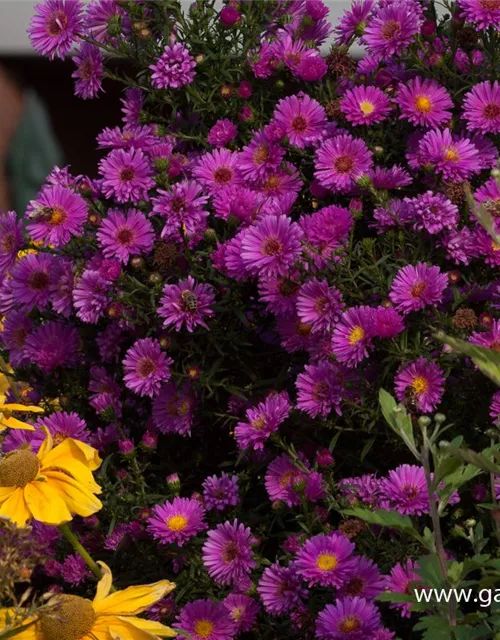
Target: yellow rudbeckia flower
x=110 y=616
x=50 y=486
x=7 y=420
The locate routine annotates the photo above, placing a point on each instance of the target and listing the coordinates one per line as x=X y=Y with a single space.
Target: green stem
x=65 y=529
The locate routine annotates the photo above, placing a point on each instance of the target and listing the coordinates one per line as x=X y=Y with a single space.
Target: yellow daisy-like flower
x=7 y=420
x=110 y=616
x=50 y=486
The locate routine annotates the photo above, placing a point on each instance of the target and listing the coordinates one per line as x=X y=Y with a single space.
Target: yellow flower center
x=451 y=154
x=423 y=104
x=183 y=408
x=57 y=217
x=177 y=523
x=367 y=107
x=420 y=384
x=237 y=613
x=203 y=628
x=356 y=334
x=71 y=618
x=495 y=246
x=349 y=624
x=326 y=561
x=259 y=423
x=18 y=468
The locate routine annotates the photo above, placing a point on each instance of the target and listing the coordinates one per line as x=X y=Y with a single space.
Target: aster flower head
x=392 y=28
x=11 y=239
x=126 y=175
x=132 y=106
x=62 y=425
x=242 y=610
x=74 y=571
x=326 y=231
x=488 y=339
x=89 y=71
x=227 y=553
x=456 y=158
x=146 y=367
x=341 y=161
x=405 y=490
x=353 y=21
x=352 y=336
x=56 y=214
x=55 y=27
x=281 y=589
x=222 y=133
x=103 y=16
x=481 y=107
x=301 y=118
x=174 y=68
x=319 y=305
x=365 y=105
x=263 y=421
x=260 y=157
x=16 y=328
x=91 y=296
x=31 y=280
x=217 y=170
x=177 y=521
x=348 y=619
x=206 y=620
x=424 y=102
x=416 y=287
x=183 y=208
x=482 y=13
x=187 y=304
x=433 y=212
x=285 y=482
x=325 y=560
x=364 y=580
x=387 y=323
x=220 y=492
x=320 y=389
x=389 y=178
x=53 y=344
x=122 y=235
x=173 y=409
x=363 y=489
x=400 y=580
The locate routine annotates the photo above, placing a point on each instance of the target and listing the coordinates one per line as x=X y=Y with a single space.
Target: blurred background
x=42 y=124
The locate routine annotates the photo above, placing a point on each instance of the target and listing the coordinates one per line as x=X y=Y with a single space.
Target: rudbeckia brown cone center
x=71 y=618
x=18 y=468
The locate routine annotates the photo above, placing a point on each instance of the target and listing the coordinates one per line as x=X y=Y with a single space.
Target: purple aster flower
x=163 y=609
x=311 y=68
x=183 y=209
x=174 y=68
x=348 y=619
x=319 y=389
x=227 y=554
x=242 y=610
x=279 y=293
x=424 y=102
x=392 y=178
x=326 y=231
x=173 y=409
x=392 y=28
x=55 y=26
x=404 y=490
x=483 y=13
x=109 y=342
x=415 y=287
x=424 y=380
x=400 y=581
x=74 y=571
x=387 y=323
x=15 y=330
x=89 y=71
x=146 y=367
x=62 y=425
x=456 y=158
x=57 y=214
x=364 y=580
x=281 y=590
x=352 y=336
x=21 y=439
x=280 y=188
x=395 y=213
x=262 y=421
x=383 y=634
x=132 y=105
x=433 y=212
x=103 y=15
x=271 y=246
x=365 y=489
x=186 y=303
x=220 y=492
x=353 y=21
x=217 y=170
x=61 y=288
x=365 y=105
x=53 y=344
x=481 y=107
x=285 y=482
x=301 y=118
x=319 y=305
x=326 y=560
x=31 y=280
x=11 y=239
x=126 y=175
x=206 y=620
x=459 y=245
x=222 y=133
x=91 y=296
x=177 y=521
x=131 y=137
x=122 y=235
x=488 y=339
x=260 y=158
x=341 y=161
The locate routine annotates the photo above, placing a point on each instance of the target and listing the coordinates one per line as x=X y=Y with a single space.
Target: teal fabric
x=34 y=152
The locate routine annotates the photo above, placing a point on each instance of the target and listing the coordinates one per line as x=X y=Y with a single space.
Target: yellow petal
x=74 y=469
x=104 y=584
x=155 y=628
x=78 y=498
x=133 y=600
x=46 y=446
x=15 y=507
x=21 y=407
x=74 y=450
x=11 y=615
x=5 y=492
x=14 y=423
x=46 y=503
x=91 y=455
x=118 y=629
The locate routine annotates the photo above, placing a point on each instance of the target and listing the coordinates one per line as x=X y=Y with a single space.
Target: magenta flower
x=242 y=610
x=220 y=492
x=17 y=326
x=301 y=118
x=126 y=175
x=281 y=590
x=425 y=380
x=206 y=620
x=392 y=28
x=416 y=287
x=91 y=296
x=279 y=293
x=260 y=158
x=364 y=580
x=100 y=15
x=262 y=421
x=31 y=280
x=173 y=409
x=348 y=619
x=217 y=170
x=53 y=344
x=186 y=304
x=424 y=102
x=341 y=161
x=319 y=305
x=319 y=389
x=74 y=571
x=286 y=482
x=177 y=521
x=11 y=239
x=483 y=13
x=365 y=105
x=132 y=105
x=222 y=133
x=482 y=107
x=494 y=408
x=456 y=158
x=363 y=489
x=354 y=20
x=183 y=209
x=89 y=71
x=325 y=560
x=122 y=235
x=271 y=246
x=433 y=212
x=174 y=68
x=401 y=580
x=352 y=336
x=62 y=425
x=488 y=339
x=146 y=367
x=387 y=323
x=55 y=26
x=227 y=554
x=326 y=231
x=392 y=178
x=405 y=490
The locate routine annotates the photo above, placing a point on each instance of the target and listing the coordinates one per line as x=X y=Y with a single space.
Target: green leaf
x=479 y=460
x=383 y=518
x=398 y=419
x=429 y=570
x=435 y=628
x=487 y=360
